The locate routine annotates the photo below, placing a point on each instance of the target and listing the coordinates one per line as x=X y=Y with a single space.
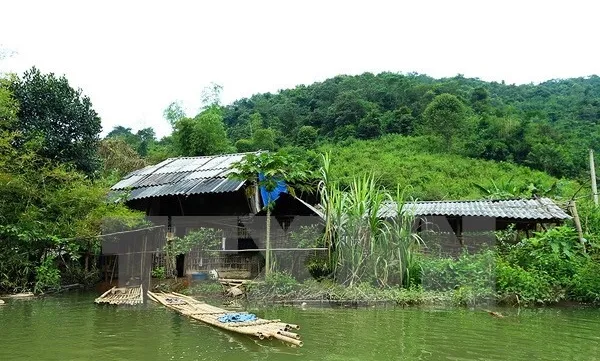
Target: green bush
x=280 y=283
x=47 y=275
x=527 y=286
x=555 y=255
x=469 y=270
x=470 y=296
x=319 y=267
x=585 y=286
x=159 y=273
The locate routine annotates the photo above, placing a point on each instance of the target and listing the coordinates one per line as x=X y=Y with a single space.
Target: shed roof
x=526 y=209
x=183 y=176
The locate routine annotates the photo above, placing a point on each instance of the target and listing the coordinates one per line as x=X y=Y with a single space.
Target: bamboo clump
x=122 y=296
x=206 y=313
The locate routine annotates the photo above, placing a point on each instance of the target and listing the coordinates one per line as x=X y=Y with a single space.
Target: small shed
x=472 y=223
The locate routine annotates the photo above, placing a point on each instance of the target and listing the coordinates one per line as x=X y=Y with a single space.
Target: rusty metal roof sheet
x=540 y=209
x=182 y=176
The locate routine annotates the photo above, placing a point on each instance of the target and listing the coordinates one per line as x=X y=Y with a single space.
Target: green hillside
x=426 y=173
x=548 y=126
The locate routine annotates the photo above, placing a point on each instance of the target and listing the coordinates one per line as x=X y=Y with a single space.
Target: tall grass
x=365 y=246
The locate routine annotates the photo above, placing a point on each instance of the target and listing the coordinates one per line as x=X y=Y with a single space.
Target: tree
x=64 y=118
x=9 y=106
x=161 y=150
x=118 y=156
x=264 y=139
x=369 y=126
x=306 y=136
x=48 y=212
x=399 y=121
x=244 y=145
x=445 y=116
x=256 y=123
x=274 y=167
x=480 y=100
x=120 y=131
x=146 y=137
x=211 y=96
x=203 y=135
x=174 y=112
x=140 y=141
x=347 y=110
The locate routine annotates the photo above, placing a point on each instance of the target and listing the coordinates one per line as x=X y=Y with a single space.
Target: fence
x=129 y=256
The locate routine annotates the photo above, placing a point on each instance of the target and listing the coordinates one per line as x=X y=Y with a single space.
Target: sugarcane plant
x=365 y=240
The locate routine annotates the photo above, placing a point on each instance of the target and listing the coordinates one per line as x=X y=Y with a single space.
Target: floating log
x=261 y=328
x=494 y=314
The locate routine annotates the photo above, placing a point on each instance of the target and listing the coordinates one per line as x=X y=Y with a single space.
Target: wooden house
x=189 y=193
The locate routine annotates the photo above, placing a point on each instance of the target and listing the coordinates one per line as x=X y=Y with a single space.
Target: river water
x=72 y=327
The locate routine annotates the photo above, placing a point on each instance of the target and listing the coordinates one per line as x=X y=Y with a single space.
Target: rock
x=1 y=302
x=22 y=295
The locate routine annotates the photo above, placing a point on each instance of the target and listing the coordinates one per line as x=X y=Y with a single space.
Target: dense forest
x=437 y=138
x=547 y=127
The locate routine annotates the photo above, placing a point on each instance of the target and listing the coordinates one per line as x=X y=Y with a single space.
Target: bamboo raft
x=122 y=296
x=206 y=313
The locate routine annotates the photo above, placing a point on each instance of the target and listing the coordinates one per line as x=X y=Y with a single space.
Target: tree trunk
x=268 y=243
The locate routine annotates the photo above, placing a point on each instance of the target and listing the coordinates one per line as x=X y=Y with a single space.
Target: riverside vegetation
x=375 y=260
x=453 y=138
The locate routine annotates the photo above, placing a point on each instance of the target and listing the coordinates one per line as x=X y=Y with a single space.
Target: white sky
x=132 y=58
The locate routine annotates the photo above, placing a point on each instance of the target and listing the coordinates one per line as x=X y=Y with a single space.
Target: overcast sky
x=132 y=58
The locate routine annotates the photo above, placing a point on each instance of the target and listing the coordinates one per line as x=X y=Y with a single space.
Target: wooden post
x=573 y=211
x=459 y=231
x=593 y=175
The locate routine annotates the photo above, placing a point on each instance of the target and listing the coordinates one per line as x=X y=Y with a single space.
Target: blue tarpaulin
x=237 y=317
x=271 y=196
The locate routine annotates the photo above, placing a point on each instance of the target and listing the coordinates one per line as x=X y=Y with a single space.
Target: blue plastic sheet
x=271 y=196
x=237 y=317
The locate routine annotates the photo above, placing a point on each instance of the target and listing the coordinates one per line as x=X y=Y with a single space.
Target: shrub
x=555 y=256
x=470 y=296
x=319 y=267
x=46 y=275
x=469 y=270
x=529 y=286
x=586 y=283
x=280 y=283
x=159 y=273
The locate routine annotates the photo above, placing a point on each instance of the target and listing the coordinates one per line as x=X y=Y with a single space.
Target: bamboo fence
x=206 y=313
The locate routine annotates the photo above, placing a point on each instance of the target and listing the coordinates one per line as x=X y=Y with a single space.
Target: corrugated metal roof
x=183 y=176
x=541 y=208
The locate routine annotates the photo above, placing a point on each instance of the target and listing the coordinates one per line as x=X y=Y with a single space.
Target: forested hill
x=547 y=126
